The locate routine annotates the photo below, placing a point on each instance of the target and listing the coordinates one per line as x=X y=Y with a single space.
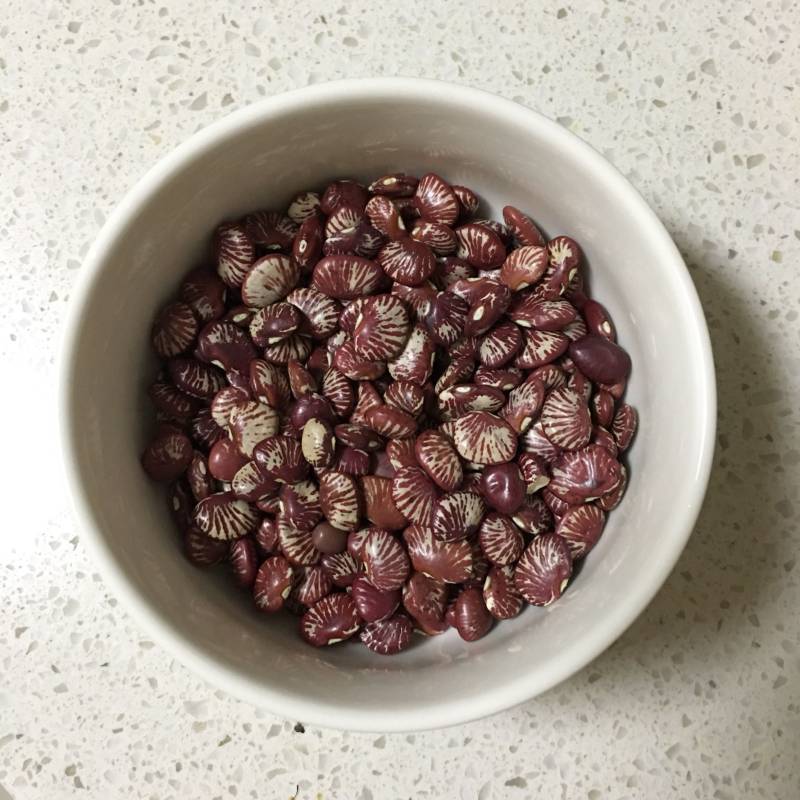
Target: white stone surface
x=701 y=697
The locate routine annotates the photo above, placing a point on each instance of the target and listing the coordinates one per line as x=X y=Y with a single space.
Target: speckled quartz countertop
x=701 y=697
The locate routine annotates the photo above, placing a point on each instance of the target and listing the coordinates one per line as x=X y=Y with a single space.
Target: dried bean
x=503 y=487
x=544 y=570
x=472 y=619
x=387 y=637
x=168 y=456
x=333 y=619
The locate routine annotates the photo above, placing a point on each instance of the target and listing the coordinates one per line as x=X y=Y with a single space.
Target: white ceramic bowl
x=258 y=158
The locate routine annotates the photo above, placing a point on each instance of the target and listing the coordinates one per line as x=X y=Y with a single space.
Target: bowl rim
x=489 y=700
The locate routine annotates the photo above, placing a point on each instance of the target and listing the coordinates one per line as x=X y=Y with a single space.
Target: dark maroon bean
x=343 y=568
x=385 y=218
x=602 y=408
x=328 y=539
x=391 y=422
x=273 y=584
x=373 y=603
x=598 y=321
x=379 y=506
x=198 y=477
x=346 y=277
x=457 y=515
x=385 y=561
x=544 y=569
x=500 y=593
x=268 y=384
x=382 y=328
x=181 y=504
x=244 y=561
x=333 y=619
x=484 y=312
x=195 y=378
x=406 y=261
x=272 y=230
x=343 y=192
x=425 y=599
x=624 y=426
x=250 y=424
x=202 y=550
x=172 y=402
x=300 y=504
x=235 y=252
x=304 y=205
x=204 y=293
x=241 y=316
x=480 y=246
x=533 y=516
x=500 y=539
x=281 y=458
x=308 y=244
x=451 y=562
x=581 y=527
x=350 y=461
x=225 y=460
x=397 y=184
x=301 y=381
x=387 y=637
x=446 y=318
x=311 y=406
x=168 y=456
x=224 y=516
x=468 y=200
x=600 y=359
x=522 y=227
x=471 y=618
x=585 y=474
x=174 y=330
x=503 y=487
x=440 y=238
x=436 y=200
x=314 y=584
x=266 y=537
